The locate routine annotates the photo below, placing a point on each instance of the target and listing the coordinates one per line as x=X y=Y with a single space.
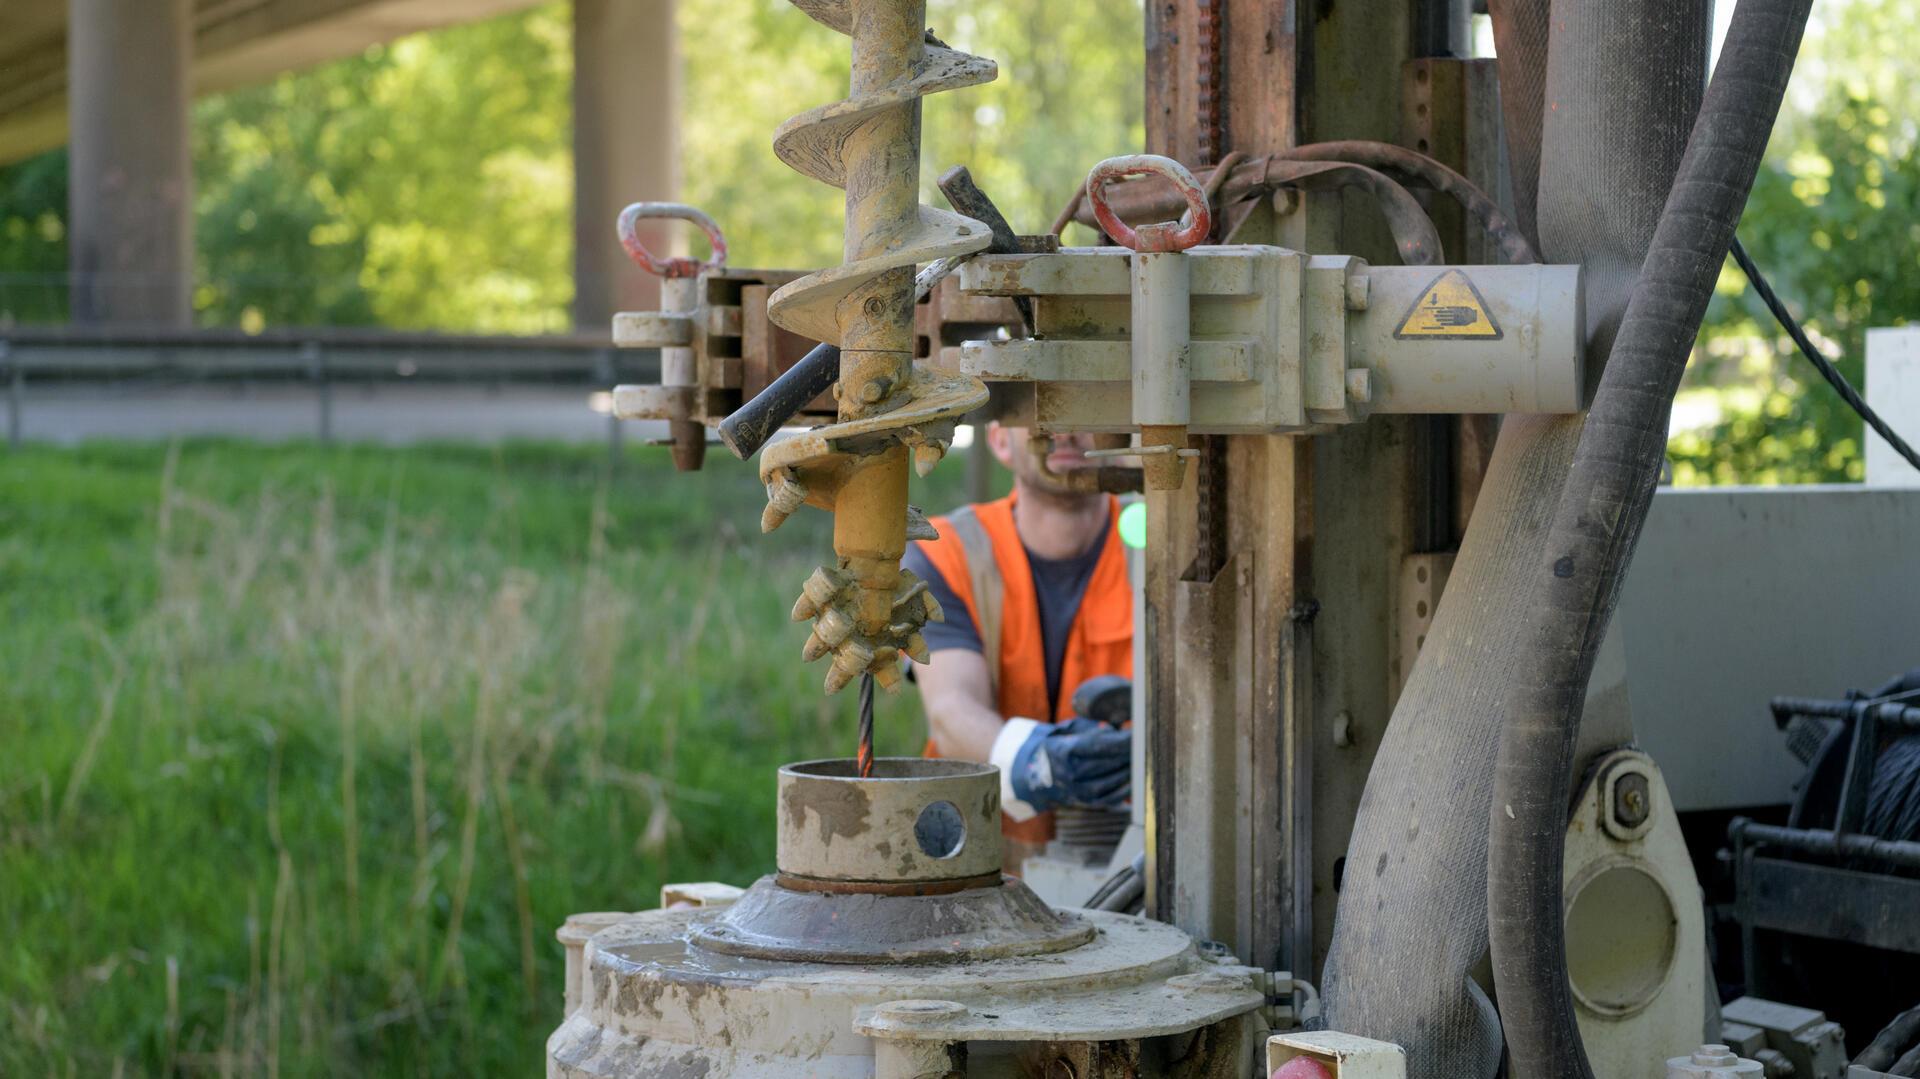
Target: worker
x=1037 y=601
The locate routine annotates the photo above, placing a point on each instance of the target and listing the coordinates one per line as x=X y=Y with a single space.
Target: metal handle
x=1193 y=226
x=752 y=424
x=672 y=267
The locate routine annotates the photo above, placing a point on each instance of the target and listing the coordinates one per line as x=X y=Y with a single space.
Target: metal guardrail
x=321 y=357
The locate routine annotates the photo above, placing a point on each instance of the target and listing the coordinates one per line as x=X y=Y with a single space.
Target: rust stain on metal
x=883 y=887
x=842 y=808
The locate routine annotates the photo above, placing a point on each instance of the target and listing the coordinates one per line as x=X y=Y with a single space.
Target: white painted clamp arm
x=1013 y=734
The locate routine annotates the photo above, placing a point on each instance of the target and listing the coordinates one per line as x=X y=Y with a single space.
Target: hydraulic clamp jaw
x=717 y=346
x=1146 y=343
x=1163 y=337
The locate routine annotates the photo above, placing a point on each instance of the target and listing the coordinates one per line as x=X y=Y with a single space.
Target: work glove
x=1080 y=762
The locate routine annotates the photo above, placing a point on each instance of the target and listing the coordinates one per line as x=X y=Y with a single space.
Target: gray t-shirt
x=1058 y=586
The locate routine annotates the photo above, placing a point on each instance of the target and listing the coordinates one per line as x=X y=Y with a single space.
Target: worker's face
x=1065 y=453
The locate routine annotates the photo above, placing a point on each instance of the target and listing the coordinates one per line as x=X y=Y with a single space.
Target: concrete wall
x=625 y=149
x=130 y=196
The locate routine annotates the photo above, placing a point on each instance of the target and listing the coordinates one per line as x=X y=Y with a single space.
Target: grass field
x=305 y=753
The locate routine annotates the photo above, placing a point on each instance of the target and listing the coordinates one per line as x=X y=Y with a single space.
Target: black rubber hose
x=1893 y=1039
x=1596 y=525
x=1818 y=359
x=1515 y=248
x=750 y=425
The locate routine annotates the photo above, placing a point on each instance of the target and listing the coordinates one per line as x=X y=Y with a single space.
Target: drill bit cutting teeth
x=893 y=414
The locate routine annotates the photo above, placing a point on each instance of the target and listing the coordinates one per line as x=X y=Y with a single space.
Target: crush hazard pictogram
x=1450 y=307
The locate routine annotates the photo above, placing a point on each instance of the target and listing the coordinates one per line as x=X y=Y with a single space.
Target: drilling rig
x=1370 y=319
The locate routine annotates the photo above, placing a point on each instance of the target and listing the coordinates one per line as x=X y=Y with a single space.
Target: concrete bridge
x=113 y=79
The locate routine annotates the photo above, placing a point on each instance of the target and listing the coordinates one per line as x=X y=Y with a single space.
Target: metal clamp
x=1160 y=345
x=671 y=267
x=1193 y=226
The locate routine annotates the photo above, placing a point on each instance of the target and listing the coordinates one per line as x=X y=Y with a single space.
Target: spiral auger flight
x=867 y=610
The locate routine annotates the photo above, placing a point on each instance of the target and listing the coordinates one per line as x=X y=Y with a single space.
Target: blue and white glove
x=1080 y=762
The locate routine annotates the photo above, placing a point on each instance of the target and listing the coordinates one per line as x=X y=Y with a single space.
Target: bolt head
x=872 y=392
x=1343 y=730
x=1360 y=385
x=1632 y=800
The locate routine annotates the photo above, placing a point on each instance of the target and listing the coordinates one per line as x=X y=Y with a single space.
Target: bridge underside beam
x=234 y=44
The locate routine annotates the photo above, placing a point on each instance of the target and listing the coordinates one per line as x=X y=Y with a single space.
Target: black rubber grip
x=750 y=425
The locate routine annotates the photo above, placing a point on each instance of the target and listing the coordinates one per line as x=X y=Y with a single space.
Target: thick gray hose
x=1520 y=40
x=1601 y=509
x=1412 y=919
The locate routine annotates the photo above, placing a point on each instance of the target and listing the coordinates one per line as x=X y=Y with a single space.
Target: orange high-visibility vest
x=1007 y=618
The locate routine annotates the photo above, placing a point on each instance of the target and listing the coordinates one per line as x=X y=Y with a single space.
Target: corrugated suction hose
x=1412 y=918
x=1576 y=580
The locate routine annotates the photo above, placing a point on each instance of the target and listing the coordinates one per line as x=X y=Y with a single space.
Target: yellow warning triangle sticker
x=1450 y=307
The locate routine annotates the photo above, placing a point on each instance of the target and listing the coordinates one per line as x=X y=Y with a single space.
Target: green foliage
x=320 y=746
x=1831 y=223
x=33 y=239
x=426 y=183
x=1068 y=95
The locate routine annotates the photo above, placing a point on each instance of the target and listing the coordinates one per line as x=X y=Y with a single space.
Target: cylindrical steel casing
x=1520 y=349
x=912 y=821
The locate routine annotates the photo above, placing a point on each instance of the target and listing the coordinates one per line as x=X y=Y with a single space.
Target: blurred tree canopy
x=33 y=239
x=1834 y=223
x=425 y=183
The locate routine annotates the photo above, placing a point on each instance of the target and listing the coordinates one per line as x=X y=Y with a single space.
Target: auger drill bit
x=866 y=611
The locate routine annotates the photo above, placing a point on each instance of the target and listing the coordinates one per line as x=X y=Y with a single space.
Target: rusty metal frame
x=1303 y=590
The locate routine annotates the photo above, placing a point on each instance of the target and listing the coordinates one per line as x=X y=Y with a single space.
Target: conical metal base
x=776 y=922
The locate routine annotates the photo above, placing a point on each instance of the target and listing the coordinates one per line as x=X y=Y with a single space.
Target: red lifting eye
x=1192 y=227
x=671 y=267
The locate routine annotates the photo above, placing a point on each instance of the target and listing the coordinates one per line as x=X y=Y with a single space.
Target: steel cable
x=1818 y=359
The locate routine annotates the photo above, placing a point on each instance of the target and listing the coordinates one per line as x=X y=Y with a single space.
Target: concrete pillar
x=626 y=148
x=130 y=201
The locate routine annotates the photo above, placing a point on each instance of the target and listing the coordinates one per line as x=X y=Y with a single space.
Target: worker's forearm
x=964 y=729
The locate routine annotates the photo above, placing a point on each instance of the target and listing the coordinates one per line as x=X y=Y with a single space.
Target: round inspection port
x=940 y=830
x=1621 y=933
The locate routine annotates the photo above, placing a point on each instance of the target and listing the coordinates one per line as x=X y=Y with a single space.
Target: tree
x=1831 y=222
x=425 y=183
x=33 y=240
